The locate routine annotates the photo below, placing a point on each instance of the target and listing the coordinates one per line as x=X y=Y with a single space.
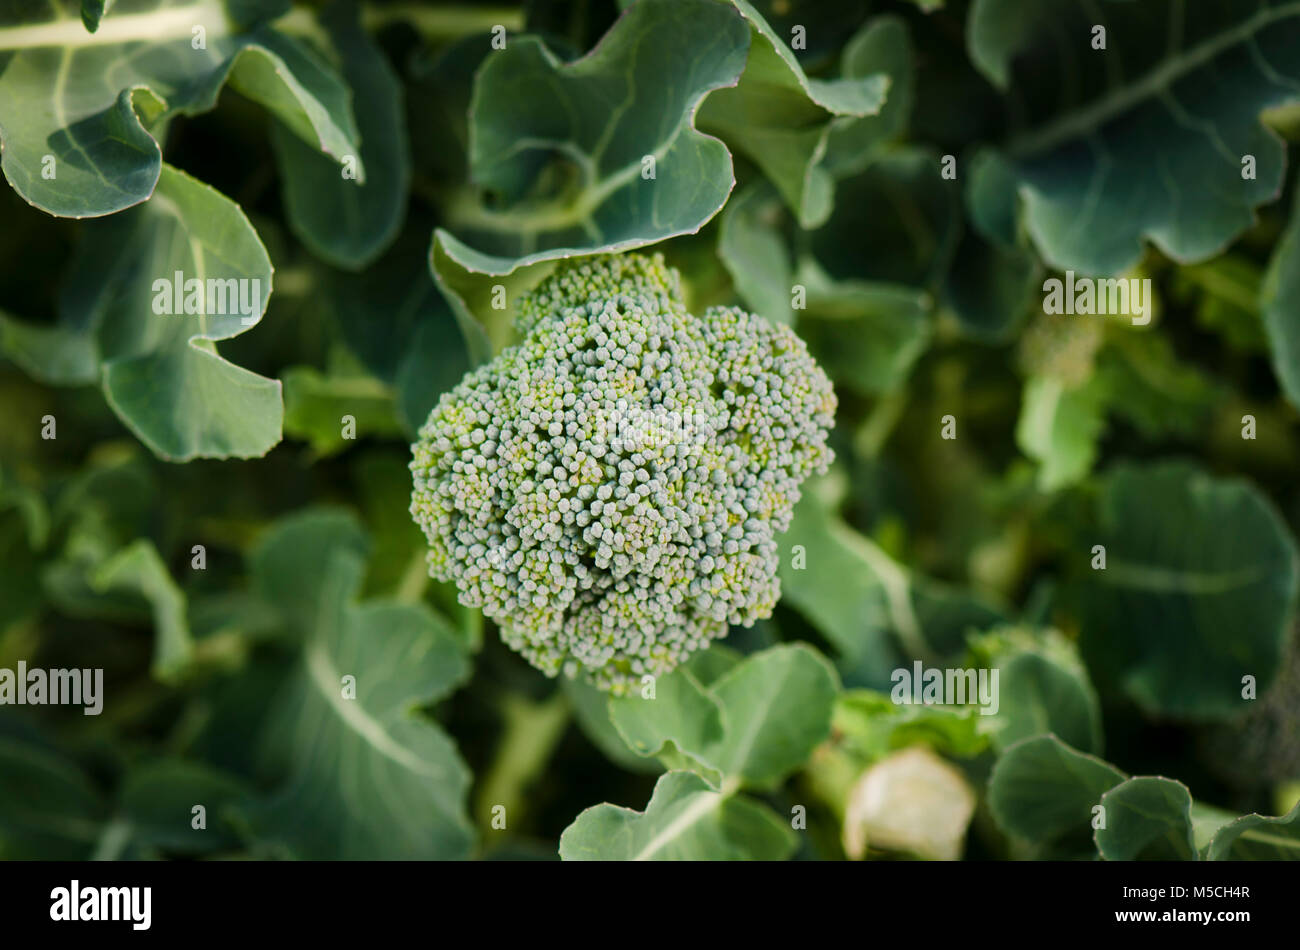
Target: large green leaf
x=726 y=725
x=96 y=103
x=782 y=120
x=1197 y=591
x=1147 y=818
x=1044 y=791
x=686 y=820
x=1143 y=140
x=161 y=372
x=364 y=773
x=559 y=149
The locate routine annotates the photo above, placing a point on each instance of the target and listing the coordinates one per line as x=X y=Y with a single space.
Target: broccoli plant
x=649 y=429
x=610 y=489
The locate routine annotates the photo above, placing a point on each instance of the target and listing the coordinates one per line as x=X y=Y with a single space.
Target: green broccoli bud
x=609 y=490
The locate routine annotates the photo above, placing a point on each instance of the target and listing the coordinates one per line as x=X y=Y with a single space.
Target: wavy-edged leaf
x=754 y=721
x=96 y=103
x=160 y=371
x=1197 y=592
x=782 y=120
x=882 y=47
x=1258 y=838
x=560 y=147
x=1144 y=140
x=686 y=820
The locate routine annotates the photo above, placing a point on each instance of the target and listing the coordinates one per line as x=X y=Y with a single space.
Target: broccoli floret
x=610 y=489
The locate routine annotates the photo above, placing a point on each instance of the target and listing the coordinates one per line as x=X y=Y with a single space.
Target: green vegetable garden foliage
x=670 y=429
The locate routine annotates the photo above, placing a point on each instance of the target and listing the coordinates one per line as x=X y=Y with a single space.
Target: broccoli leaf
x=88 y=144
x=855 y=594
x=595 y=155
x=1147 y=818
x=686 y=820
x=151 y=346
x=1159 y=137
x=346 y=220
x=1258 y=838
x=731 y=730
x=362 y=772
x=1198 y=588
x=1044 y=791
x=782 y=120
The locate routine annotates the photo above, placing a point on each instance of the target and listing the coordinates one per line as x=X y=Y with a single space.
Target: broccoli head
x=609 y=490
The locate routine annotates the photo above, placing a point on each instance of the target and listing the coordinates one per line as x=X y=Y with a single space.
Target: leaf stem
x=532 y=731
